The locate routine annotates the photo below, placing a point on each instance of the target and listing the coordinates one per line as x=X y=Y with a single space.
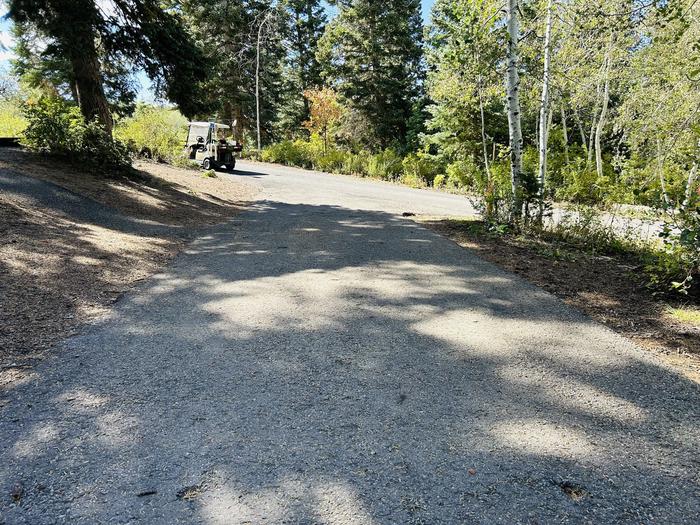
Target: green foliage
x=464 y=174
x=229 y=33
x=301 y=70
x=677 y=265
x=75 y=47
x=412 y=180
x=439 y=181
x=12 y=122
x=371 y=53
x=58 y=128
x=291 y=153
x=331 y=161
x=421 y=167
x=384 y=165
x=159 y=130
x=356 y=164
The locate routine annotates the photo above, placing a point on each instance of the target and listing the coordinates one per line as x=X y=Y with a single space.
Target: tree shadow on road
x=319 y=364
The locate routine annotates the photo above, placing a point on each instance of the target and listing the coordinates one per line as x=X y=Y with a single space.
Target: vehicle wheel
x=206 y=164
x=232 y=167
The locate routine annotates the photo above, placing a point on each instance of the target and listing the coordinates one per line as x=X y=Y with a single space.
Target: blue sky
x=6 y=43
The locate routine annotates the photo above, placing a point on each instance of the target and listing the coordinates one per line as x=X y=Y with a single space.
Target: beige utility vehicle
x=211 y=144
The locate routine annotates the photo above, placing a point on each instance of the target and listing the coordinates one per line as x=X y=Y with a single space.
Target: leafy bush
x=356 y=164
x=291 y=153
x=331 y=161
x=464 y=174
x=12 y=122
x=439 y=181
x=580 y=184
x=384 y=165
x=160 y=131
x=421 y=166
x=58 y=128
x=677 y=265
x=412 y=180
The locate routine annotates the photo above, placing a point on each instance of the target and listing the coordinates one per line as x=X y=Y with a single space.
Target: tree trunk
x=487 y=168
x=565 y=136
x=483 y=135
x=603 y=111
x=579 y=124
x=660 y=172
x=692 y=176
x=514 y=128
x=544 y=106
x=89 y=92
x=257 y=86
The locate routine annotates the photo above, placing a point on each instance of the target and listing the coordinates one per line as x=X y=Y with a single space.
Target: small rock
x=17 y=492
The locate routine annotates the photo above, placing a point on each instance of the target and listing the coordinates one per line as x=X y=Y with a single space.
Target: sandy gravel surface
x=335 y=363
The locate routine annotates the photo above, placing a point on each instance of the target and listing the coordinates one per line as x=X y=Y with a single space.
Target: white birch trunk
x=544 y=102
x=660 y=172
x=603 y=110
x=483 y=137
x=565 y=134
x=692 y=177
x=514 y=128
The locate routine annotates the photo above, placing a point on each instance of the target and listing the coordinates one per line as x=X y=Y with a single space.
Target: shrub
x=677 y=264
x=412 y=180
x=331 y=161
x=291 y=153
x=581 y=184
x=356 y=164
x=439 y=181
x=160 y=131
x=421 y=166
x=12 y=122
x=58 y=128
x=463 y=174
x=384 y=165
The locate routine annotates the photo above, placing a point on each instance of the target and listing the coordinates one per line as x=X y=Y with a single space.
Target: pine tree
x=139 y=33
x=371 y=54
x=307 y=20
x=228 y=31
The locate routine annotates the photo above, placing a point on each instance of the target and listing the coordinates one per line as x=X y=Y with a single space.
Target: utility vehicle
x=212 y=144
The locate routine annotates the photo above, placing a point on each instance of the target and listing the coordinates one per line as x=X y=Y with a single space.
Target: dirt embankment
x=71 y=243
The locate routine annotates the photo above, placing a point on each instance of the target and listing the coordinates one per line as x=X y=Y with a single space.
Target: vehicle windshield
x=223 y=133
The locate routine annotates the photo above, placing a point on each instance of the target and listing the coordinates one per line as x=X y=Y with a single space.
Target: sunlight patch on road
x=542 y=438
x=36 y=440
x=571 y=393
x=284 y=501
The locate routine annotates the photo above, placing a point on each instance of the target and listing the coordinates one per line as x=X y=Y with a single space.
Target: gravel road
x=321 y=359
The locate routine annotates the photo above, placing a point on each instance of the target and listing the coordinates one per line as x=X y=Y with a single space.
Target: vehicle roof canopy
x=206 y=125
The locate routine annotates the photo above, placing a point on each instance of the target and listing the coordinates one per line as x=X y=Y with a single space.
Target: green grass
x=686 y=315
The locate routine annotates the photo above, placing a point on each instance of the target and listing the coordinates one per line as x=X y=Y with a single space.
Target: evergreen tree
x=81 y=37
x=228 y=31
x=307 y=20
x=371 y=54
x=49 y=71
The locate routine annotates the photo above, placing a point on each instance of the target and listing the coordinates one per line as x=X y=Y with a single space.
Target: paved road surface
x=321 y=359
